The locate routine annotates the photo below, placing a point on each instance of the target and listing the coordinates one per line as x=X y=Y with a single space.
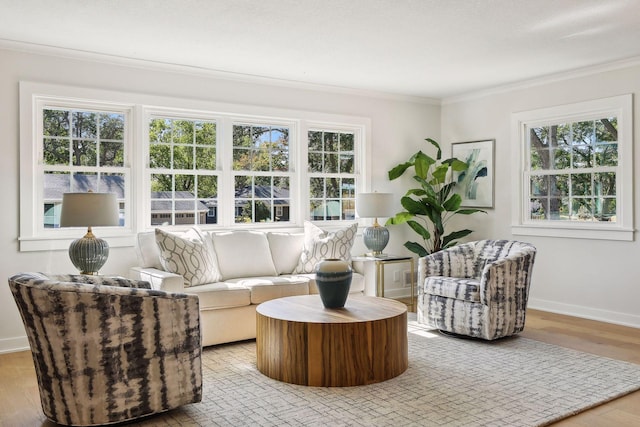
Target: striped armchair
x=106 y=350
x=478 y=289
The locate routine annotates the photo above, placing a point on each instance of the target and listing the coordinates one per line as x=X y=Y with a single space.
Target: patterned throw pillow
x=190 y=255
x=320 y=244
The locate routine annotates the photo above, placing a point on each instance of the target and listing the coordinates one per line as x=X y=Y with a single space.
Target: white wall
x=589 y=278
x=398 y=127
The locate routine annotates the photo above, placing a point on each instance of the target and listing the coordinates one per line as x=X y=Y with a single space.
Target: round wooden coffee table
x=300 y=342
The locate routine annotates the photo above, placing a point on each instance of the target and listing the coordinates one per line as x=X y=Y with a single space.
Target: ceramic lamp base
x=89 y=254
x=376 y=238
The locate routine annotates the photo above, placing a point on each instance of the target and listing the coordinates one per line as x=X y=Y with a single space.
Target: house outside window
x=576 y=170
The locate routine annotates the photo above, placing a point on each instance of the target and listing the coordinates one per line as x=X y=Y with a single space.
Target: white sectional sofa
x=233 y=272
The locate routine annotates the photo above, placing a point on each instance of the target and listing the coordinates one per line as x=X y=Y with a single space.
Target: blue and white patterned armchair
x=478 y=289
x=107 y=350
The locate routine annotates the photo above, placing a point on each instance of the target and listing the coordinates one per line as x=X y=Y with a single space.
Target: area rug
x=450 y=382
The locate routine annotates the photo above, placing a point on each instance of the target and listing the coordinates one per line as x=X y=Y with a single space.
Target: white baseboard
x=614 y=317
x=11 y=345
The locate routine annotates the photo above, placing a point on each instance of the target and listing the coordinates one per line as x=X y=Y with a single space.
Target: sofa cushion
x=320 y=244
x=219 y=295
x=243 y=254
x=188 y=254
x=357 y=282
x=147 y=251
x=268 y=288
x=285 y=250
x=451 y=287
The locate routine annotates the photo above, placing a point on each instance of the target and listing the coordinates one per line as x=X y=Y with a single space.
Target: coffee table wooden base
x=300 y=342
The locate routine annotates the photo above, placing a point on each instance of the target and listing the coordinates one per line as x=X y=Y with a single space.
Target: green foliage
x=433 y=203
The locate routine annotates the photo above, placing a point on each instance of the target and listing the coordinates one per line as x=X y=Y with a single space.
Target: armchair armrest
x=507 y=278
x=159 y=279
x=457 y=261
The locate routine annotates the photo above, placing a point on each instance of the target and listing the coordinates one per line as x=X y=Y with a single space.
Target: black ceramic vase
x=333 y=278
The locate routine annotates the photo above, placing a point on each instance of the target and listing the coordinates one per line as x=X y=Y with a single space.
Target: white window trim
x=622 y=229
x=35 y=238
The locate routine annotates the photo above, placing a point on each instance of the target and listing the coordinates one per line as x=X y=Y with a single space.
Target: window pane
x=605 y=184
x=605 y=209
x=539 y=185
x=182 y=157
x=332 y=187
x=539 y=208
x=582 y=209
x=84 y=124
x=160 y=130
x=205 y=133
x=330 y=163
x=348 y=188
x=540 y=159
x=559 y=209
x=56 y=151
x=561 y=159
x=206 y=158
x=84 y=153
x=582 y=156
x=330 y=141
x=559 y=185
x=581 y=184
x=111 y=154
x=183 y=132
x=348 y=209
x=583 y=132
x=346 y=163
x=160 y=156
x=606 y=154
x=112 y=126
x=607 y=130
x=55 y=123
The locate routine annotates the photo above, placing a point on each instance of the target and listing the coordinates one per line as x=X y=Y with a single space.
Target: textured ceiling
x=426 y=48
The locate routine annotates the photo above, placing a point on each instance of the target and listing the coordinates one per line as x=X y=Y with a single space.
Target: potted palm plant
x=430 y=205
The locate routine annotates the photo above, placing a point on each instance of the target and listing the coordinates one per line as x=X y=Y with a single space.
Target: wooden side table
x=300 y=342
x=372 y=267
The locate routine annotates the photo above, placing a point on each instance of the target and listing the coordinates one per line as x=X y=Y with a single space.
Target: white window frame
x=522 y=122
x=34 y=237
x=33 y=98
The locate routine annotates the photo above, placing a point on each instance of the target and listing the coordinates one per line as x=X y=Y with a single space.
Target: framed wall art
x=475 y=185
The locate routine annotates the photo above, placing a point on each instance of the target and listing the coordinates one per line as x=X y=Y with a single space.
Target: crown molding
x=544 y=80
x=77 y=54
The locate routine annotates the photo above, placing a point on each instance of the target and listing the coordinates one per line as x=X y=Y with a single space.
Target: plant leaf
x=440 y=173
x=416 y=248
x=453 y=203
x=451 y=237
x=469 y=211
x=399 y=218
x=422 y=164
x=458 y=165
x=435 y=144
x=418 y=228
x=399 y=170
x=412 y=206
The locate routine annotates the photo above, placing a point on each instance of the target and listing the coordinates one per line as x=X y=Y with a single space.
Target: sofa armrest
x=159 y=279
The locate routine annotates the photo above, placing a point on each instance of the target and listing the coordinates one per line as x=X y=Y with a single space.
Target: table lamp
x=89 y=253
x=375 y=205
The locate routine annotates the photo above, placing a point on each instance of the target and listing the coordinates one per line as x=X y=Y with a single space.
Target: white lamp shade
x=374 y=205
x=89 y=210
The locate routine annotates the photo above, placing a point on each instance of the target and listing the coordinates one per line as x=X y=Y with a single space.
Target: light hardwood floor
x=20 y=403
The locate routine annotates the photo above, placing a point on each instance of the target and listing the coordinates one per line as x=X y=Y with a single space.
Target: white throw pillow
x=285 y=250
x=190 y=255
x=243 y=254
x=320 y=244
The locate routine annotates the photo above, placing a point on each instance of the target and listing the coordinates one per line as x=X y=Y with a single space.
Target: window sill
x=34 y=244
x=594 y=233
